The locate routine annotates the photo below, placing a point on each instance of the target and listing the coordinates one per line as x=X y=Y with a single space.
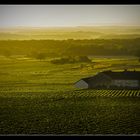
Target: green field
x=38 y=97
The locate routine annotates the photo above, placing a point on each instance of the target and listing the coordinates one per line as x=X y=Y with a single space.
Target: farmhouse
x=111 y=80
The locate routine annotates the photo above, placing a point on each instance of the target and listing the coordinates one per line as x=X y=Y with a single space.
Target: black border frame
x=71 y=2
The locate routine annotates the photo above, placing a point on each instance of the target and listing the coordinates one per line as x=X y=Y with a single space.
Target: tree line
x=70 y=47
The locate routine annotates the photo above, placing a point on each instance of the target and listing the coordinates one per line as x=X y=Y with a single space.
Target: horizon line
x=22 y=26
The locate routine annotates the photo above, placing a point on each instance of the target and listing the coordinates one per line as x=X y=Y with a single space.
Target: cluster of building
x=111 y=80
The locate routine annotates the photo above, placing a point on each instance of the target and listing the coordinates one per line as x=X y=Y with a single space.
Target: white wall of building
x=81 y=84
x=125 y=83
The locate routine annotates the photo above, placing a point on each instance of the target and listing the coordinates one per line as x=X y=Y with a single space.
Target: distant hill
x=61 y=33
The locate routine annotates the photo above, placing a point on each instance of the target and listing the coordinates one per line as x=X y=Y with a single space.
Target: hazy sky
x=68 y=15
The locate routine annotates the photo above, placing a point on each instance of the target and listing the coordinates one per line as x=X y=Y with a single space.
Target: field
x=37 y=97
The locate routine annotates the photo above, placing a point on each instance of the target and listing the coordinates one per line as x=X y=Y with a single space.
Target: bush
x=70 y=59
x=83 y=59
x=40 y=56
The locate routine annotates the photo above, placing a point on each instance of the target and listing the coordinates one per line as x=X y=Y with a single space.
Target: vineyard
x=108 y=93
x=69 y=92
x=70 y=112
x=37 y=97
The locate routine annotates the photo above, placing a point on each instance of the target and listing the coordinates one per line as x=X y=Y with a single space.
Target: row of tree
x=71 y=59
x=57 y=48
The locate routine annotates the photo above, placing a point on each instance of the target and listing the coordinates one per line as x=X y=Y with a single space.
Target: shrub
x=70 y=59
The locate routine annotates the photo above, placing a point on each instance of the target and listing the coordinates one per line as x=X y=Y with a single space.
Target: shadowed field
x=69 y=113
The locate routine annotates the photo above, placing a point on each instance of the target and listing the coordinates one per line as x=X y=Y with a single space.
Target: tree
x=137 y=54
x=40 y=56
x=83 y=59
x=7 y=53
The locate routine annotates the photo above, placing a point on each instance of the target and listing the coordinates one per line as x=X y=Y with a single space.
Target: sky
x=68 y=15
